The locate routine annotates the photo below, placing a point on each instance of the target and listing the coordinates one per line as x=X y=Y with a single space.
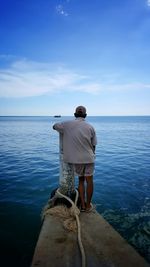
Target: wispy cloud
x=60 y=9
x=148 y=3
x=127 y=86
x=26 y=78
x=6 y=57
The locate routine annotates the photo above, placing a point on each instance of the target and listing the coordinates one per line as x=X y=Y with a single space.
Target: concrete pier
x=104 y=247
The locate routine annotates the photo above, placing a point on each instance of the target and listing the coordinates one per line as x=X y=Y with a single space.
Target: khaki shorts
x=84 y=169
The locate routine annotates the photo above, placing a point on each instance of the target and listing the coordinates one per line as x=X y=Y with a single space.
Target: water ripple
x=29 y=171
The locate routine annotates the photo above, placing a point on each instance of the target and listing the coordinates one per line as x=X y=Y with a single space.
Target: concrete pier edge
x=103 y=245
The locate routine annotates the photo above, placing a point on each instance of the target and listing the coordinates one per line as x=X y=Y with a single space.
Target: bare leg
x=82 y=190
x=89 y=190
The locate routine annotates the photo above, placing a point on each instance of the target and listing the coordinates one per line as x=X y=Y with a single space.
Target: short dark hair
x=80 y=112
x=79 y=115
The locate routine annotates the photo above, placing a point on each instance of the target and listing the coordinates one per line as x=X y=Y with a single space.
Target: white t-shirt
x=79 y=138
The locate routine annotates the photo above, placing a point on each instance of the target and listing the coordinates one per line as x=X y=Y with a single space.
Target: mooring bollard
x=66 y=175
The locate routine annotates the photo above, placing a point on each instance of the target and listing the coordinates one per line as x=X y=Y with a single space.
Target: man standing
x=79 y=141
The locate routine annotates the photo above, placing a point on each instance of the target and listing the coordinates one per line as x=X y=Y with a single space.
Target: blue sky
x=55 y=55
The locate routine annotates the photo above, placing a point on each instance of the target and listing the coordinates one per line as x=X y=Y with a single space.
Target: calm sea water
x=29 y=171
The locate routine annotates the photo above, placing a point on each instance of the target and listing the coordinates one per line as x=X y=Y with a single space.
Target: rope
x=76 y=212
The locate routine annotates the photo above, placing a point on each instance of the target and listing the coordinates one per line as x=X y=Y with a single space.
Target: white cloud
x=61 y=10
x=128 y=86
x=148 y=3
x=7 y=57
x=26 y=78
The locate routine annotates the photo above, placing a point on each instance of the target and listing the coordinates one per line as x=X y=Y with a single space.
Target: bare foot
x=89 y=208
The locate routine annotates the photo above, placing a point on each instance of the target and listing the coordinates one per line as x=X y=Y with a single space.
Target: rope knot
x=74 y=211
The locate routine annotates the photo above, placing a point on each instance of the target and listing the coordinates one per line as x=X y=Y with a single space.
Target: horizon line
x=73 y=116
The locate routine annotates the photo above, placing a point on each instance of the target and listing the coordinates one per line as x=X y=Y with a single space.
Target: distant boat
x=57 y=116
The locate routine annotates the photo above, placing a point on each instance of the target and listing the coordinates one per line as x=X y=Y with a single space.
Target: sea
x=29 y=172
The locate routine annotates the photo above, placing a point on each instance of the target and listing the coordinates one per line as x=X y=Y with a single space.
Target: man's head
x=80 y=112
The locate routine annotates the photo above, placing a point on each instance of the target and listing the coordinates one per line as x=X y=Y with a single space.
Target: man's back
x=79 y=140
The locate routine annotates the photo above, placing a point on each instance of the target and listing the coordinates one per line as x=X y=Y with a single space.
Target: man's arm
x=58 y=127
x=94 y=149
x=94 y=140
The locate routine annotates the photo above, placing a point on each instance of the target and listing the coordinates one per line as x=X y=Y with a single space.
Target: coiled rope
x=75 y=212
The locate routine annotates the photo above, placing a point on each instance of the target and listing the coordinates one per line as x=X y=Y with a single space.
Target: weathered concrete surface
x=104 y=247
